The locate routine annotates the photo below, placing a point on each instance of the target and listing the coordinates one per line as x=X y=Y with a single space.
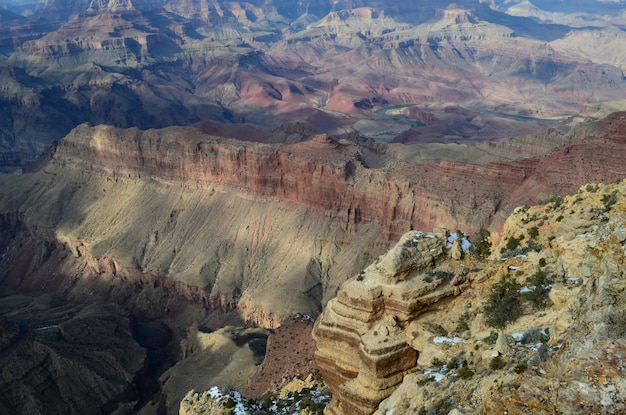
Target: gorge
x=196 y=182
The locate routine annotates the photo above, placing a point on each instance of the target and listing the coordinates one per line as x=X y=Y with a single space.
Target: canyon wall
x=179 y=215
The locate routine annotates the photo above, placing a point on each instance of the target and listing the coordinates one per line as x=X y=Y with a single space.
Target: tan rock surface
x=362 y=350
x=575 y=371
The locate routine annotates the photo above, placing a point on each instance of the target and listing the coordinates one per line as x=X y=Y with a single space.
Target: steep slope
x=160 y=219
x=63 y=358
x=537 y=328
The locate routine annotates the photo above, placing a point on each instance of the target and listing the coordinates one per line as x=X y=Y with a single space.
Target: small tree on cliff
x=481 y=248
x=504 y=304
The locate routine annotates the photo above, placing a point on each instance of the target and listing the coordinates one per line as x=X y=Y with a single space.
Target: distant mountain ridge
x=339 y=67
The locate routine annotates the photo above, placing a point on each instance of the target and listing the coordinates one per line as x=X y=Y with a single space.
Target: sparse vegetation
x=492 y=338
x=497 y=363
x=555 y=202
x=441 y=407
x=503 y=304
x=609 y=200
x=463 y=323
x=538 y=289
x=481 y=248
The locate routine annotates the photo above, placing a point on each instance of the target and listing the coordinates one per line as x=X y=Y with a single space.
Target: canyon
x=197 y=181
x=418 y=330
x=181 y=226
x=460 y=72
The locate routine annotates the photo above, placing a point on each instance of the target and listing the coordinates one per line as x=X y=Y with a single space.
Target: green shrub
x=463 y=324
x=492 y=338
x=436 y=362
x=465 y=372
x=609 y=200
x=512 y=243
x=503 y=304
x=497 y=363
x=229 y=403
x=537 y=297
x=481 y=248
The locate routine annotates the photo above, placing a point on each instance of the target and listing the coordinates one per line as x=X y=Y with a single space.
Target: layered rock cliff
x=181 y=216
x=362 y=351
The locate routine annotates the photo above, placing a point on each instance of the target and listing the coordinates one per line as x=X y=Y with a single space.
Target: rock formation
x=152 y=64
x=219 y=214
x=361 y=342
x=559 y=355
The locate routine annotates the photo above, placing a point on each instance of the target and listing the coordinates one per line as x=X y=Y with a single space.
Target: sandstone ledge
x=362 y=349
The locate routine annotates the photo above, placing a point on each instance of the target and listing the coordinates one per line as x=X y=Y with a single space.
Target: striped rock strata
x=362 y=350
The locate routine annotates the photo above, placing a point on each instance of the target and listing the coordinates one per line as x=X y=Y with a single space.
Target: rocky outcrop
x=226 y=358
x=147 y=211
x=557 y=357
x=362 y=350
x=63 y=358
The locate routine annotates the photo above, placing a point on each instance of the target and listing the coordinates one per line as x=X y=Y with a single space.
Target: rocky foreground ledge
x=435 y=326
x=538 y=328
x=361 y=336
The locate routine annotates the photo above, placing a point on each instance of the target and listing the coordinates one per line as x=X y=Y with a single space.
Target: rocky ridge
x=396 y=331
x=157 y=64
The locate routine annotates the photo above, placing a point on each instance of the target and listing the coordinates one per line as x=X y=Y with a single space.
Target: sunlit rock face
x=438 y=350
x=362 y=350
x=180 y=216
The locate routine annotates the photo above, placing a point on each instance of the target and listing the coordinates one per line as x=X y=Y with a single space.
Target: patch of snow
x=526 y=289
x=513 y=267
x=442 y=339
x=465 y=243
x=436 y=374
x=517 y=336
x=214 y=392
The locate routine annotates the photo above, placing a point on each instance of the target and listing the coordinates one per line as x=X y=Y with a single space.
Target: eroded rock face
x=161 y=218
x=63 y=358
x=362 y=350
x=562 y=357
x=159 y=63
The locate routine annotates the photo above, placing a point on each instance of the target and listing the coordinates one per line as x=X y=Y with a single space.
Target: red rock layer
x=329 y=175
